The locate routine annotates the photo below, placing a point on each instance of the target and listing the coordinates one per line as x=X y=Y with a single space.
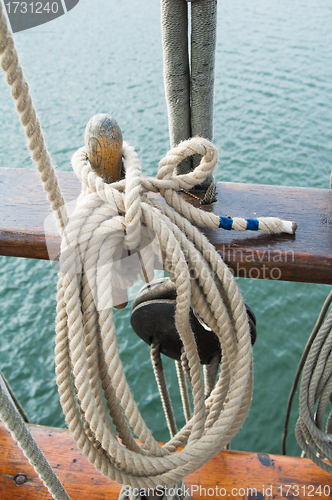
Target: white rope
x=40 y=155
x=107 y=220
x=20 y=92
x=162 y=387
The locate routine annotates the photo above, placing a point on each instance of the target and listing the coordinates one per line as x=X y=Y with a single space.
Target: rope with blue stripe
x=169 y=186
x=265 y=224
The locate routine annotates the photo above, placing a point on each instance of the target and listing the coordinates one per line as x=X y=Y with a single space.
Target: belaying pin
x=103 y=141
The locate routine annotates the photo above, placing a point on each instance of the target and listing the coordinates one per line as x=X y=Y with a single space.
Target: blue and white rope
x=265 y=224
x=169 y=186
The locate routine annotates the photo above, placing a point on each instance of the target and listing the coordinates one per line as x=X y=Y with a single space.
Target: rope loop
x=116 y=233
x=196 y=145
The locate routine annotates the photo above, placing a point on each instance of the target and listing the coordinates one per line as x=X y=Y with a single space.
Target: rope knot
x=115 y=232
x=108 y=230
x=137 y=250
x=166 y=178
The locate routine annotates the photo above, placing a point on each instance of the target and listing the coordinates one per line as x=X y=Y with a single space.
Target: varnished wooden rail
x=305 y=257
x=231 y=474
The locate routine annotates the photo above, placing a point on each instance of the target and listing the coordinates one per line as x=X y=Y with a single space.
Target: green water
x=273 y=117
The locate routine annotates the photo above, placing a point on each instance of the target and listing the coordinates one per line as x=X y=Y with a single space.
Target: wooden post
x=103 y=141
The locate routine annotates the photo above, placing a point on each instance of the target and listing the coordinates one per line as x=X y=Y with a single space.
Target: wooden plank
x=305 y=257
x=232 y=474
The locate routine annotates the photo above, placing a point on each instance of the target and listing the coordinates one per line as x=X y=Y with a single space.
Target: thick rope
x=183 y=390
x=174 y=34
x=20 y=433
x=185 y=366
x=189 y=88
x=210 y=374
x=86 y=230
x=20 y=92
x=163 y=389
x=203 y=46
x=108 y=221
x=5 y=384
x=174 y=30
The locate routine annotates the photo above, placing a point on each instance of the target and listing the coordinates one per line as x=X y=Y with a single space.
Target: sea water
x=272 y=125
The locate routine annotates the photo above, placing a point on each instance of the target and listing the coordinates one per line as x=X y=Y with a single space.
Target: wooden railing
x=305 y=257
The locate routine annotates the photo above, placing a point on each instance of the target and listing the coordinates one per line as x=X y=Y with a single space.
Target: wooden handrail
x=231 y=474
x=305 y=257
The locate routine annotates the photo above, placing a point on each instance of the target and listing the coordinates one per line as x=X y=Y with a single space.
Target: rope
x=315 y=393
x=183 y=390
x=174 y=31
x=203 y=46
x=210 y=374
x=16 y=426
x=13 y=398
x=189 y=90
x=163 y=390
x=185 y=366
x=20 y=92
x=86 y=333
x=303 y=359
x=86 y=348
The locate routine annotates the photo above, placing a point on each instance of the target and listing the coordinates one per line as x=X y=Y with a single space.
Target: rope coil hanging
x=86 y=350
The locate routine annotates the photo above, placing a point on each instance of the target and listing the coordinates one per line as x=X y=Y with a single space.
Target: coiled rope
x=86 y=348
x=107 y=219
